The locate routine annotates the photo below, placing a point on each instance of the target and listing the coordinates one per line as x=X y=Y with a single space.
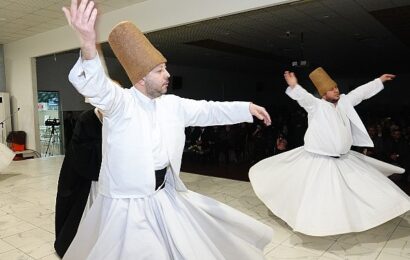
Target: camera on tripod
x=52 y=122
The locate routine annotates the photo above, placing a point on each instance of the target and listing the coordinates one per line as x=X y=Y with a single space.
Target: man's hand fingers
x=73 y=9
x=87 y=12
x=81 y=7
x=262 y=114
x=67 y=15
x=93 y=17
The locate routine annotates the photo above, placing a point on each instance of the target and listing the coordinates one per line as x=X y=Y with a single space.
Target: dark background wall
x=211 y=84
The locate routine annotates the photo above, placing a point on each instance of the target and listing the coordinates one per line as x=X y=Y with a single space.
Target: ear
x=142 y=82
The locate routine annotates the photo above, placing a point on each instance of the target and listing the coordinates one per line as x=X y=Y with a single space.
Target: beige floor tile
x=399 y=243
x=15 y=255
x=4 y=247
x=27 y=202
x=340 y=250
x=36 y=243
x=284 y=252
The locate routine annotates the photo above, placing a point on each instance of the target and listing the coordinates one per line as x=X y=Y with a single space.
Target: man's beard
x=333 y=100
x=152 y=91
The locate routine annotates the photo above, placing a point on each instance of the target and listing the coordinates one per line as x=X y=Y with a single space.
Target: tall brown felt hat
x=322 y=81
x=135 y=53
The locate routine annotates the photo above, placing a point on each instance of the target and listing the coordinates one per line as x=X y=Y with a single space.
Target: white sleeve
x=304 y=98
x=365 y=91
x=90 y=80
x=207 y=113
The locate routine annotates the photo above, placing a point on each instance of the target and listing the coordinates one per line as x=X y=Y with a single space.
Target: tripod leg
x=49 y=140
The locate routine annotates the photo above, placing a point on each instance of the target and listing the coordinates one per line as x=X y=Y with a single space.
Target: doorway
x=49 y=115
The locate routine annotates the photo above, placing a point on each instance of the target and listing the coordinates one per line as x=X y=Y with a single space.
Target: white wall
x=150 y=15
x=2 y=73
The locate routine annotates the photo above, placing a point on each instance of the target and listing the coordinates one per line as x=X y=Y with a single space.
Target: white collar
x=143 y=98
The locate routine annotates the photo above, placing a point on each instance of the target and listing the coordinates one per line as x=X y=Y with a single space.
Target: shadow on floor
x=5 y=176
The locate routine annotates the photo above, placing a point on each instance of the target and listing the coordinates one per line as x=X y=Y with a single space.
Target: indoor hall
x=218 y=51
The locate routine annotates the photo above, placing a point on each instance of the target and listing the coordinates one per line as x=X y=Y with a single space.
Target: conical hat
x=322 y=81
x=135 y=53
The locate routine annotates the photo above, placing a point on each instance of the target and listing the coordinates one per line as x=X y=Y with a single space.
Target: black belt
x=160 y=178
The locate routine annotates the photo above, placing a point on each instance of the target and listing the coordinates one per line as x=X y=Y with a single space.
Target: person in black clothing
x=377 y=150
x=397 y=152
x=80 y=167
x=69 y=124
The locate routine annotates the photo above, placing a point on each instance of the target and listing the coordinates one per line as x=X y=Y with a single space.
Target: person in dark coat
x=80 y=167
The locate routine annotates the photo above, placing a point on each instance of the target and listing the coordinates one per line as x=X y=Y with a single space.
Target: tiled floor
x=27 y=198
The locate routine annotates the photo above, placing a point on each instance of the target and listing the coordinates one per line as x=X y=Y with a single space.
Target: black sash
x=160 y=177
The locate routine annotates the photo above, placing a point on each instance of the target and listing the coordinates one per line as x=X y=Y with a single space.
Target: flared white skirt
x=167 y=225
x=6 y=156
x=320 y=195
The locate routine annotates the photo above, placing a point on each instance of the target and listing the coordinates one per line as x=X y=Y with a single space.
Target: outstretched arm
x=296 y=92
x=81 y=17
x=368 y=90
x=207 y=113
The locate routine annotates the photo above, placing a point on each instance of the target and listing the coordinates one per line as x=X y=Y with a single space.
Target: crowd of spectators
x=250 y=143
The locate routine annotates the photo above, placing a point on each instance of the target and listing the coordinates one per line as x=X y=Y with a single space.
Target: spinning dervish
x=323 y=188
x=143 y=209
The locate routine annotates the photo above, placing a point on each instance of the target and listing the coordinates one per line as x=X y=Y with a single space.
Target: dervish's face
x=332 y=95
x=156 y=82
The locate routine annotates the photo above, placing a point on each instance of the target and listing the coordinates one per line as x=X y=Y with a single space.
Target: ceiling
x=347 y=36
x=23 y=18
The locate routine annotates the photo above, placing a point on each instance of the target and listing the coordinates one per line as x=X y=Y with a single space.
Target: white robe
x=6 y=156
x=129 y=219
x=319 y=195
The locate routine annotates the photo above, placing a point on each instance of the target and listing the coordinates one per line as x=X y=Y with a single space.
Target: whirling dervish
x=323 y=188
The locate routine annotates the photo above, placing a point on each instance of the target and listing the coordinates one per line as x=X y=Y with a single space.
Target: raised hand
x=81 y=17
x=290 y=78
x=387 y=77
x=260 y=113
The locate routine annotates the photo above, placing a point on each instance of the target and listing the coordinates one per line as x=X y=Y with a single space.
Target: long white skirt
x=320 y=195
x=167 y=225
x=6 y=156
x=91 y=198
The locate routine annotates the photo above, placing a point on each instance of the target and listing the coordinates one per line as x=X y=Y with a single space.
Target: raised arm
x=81 y=17
x=369 y=89
x=296 y=92
x=88 y=75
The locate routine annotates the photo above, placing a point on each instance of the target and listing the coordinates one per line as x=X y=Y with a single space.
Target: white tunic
x=159 y=152
x=129 y=219
x=322 y=188
x=333 y=129
x=127 y=169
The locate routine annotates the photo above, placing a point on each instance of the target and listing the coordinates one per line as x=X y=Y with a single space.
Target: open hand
x=386 y=77
x=81 y=17
x=290 y=78
x=260 y=113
